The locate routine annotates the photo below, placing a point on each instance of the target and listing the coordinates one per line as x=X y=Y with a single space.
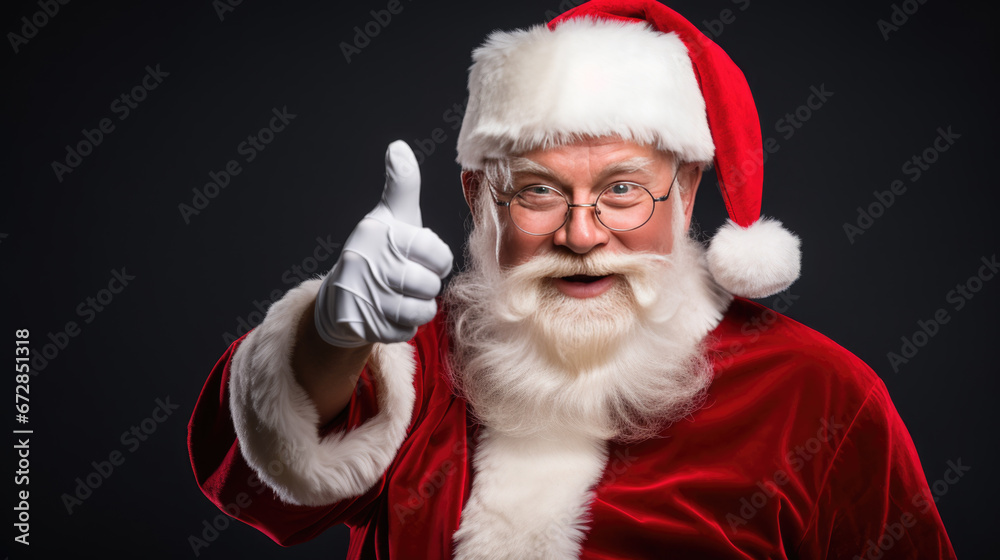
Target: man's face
x=536 y=347
x=581 y=170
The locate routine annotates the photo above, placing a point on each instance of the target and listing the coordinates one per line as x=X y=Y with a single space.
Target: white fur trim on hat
x=276 y=421
x=538 y=88
x=756 y=261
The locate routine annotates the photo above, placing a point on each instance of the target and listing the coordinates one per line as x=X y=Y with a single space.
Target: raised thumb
x=402 y=184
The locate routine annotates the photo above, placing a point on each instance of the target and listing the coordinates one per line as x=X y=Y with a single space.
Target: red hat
x=638 y=70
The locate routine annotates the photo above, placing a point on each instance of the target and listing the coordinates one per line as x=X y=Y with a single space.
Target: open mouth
x=582 y=278
x=584 y=285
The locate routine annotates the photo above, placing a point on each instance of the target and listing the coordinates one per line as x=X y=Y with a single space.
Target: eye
x=539 y=198
x=621 y=189
x=539 y=194
x=622 y=195
x=539 y=190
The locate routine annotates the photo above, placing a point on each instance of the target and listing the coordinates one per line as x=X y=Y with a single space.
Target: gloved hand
x=390 y=270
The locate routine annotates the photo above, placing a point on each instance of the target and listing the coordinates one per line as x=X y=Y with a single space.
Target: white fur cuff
x=276 y=420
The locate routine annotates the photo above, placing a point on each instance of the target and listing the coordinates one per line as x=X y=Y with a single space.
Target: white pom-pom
x=755 y=261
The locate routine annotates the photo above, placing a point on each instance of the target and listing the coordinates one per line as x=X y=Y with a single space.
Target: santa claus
x=593 y=385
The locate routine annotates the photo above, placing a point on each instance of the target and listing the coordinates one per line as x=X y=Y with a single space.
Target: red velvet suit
x=797 y=453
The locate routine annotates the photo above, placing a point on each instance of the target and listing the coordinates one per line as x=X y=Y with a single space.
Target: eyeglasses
x=622 y=206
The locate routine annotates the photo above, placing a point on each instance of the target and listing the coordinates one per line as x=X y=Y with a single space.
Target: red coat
x=798 y=453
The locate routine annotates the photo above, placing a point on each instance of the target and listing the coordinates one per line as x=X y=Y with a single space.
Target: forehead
x=591 y=158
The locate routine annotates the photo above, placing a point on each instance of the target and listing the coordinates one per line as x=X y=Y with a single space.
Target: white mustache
x=600 y=263
x=639 y=270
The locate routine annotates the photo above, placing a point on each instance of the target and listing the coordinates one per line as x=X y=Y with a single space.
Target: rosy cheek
x=647 y=240
x=517 y=247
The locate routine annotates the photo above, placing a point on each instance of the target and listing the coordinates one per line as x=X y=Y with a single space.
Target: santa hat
x=638 y=70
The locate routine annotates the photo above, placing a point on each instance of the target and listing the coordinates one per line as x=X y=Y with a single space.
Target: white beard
x=531 y=361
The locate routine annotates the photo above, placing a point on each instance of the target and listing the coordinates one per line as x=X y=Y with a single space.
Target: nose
x=582 y=232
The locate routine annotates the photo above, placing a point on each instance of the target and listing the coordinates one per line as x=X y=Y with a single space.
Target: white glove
x=390 y=270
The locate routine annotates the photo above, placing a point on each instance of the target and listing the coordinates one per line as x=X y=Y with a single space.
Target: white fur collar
x=530 y=497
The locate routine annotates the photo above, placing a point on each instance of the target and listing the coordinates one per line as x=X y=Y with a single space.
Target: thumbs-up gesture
x=390 y=270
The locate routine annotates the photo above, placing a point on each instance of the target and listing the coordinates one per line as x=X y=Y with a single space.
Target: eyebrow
x=520 y=164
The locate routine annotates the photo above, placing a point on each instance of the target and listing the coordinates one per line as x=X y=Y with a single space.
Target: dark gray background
x=194 y=282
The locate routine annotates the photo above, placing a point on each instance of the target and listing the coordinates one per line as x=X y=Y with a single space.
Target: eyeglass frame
x=570 y=206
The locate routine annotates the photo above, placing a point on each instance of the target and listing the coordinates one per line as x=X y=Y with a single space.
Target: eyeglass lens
x=541 y=210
